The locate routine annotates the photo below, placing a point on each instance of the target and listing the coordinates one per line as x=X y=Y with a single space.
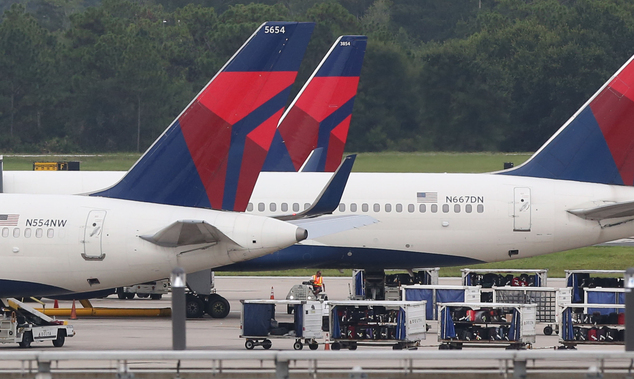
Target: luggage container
x=379 y=285
x=578 y=280
x=488 y=278
x=401 y=324
x=486 y=324
x=440 y=294
x=547 y=300
x=592 y=324
x=259 y=325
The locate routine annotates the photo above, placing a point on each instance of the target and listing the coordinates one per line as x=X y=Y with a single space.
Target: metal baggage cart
x=434 y=295
x=259 y=325
x=401 y=324
x=578 y=280
x=591 y=324
x=486 y=324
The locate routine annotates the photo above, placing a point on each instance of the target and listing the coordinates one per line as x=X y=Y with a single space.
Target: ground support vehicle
x=486 y=324
x=259 y=325
x=434 y=295
x=547 y=299
x=401 y=324
x=154 y=290
x=377 y=285
x=21 y=324
x=579 y=280
x=591 y=324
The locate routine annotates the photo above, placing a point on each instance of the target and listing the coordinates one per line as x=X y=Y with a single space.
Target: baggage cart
x=401 y=324
x=546 y=299
x=578 y=280
x=488 y=278
x=379 y=285
x=486 y=324
x=440 y=294
x=259 y=325
x=592 y=324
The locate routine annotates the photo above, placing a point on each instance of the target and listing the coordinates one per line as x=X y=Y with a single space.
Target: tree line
x=463 y=75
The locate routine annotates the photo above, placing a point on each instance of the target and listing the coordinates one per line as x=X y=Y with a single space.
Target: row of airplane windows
x=376 y=207
x=39 y=233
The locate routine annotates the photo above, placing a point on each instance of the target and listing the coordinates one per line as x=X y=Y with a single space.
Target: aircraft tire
x=194 y=307
x=156 y=296
x=217 y=306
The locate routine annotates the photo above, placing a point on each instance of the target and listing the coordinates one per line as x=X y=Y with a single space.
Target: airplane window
x=353 y=207
x=364 y=207
x=399 y=207
x=50 y=233
x=388 y=207
x=410 y=208
x=261 y=207
x=468 y=208
x=434 y=208
x=306 y=206
x=422 y=208
x=272 y=207
x=27 y=232
x=342 y=207
x=377 y=207
x=38 y=232
x=250 y=207
x=445 y=208
x=284 y=207
x=295 y=207
x=480 y=208
x=16 y=232
x=5 y=232
x=456 y=208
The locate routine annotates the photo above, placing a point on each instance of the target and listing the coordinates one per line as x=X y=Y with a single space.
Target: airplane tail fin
x=212 y=154
x=319 y=117
x=597 y=143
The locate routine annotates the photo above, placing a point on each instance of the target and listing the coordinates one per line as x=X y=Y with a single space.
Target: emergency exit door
x=522 y=210
x=93 y=232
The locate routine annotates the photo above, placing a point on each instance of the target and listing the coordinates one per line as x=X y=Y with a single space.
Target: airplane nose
x=301 y=234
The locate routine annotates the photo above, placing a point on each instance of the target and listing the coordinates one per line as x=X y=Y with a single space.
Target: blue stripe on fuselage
x=17 y=288
x=304 y=256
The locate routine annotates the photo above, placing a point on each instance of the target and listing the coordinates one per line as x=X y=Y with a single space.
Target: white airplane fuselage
x=510 y=216
x=51 y=244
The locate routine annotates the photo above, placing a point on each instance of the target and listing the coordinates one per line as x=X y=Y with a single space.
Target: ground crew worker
x=318 y=283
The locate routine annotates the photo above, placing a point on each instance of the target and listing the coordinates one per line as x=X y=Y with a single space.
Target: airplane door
x=522 y=210
x=92 y=236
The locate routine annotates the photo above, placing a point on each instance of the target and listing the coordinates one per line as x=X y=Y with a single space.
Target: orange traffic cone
x=272 y=294
x=327 y=344
x=73 y=312
x=56 y=304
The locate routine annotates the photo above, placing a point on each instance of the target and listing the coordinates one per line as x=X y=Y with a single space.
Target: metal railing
x=280 y=364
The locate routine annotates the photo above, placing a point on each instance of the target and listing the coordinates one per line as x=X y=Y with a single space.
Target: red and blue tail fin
x=597 y=144
x=212 y=154
x=319 y=117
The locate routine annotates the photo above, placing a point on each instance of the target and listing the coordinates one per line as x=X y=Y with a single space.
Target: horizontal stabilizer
x=329 y=198
x=188 y=232
x=607 y=211
x=325 y=225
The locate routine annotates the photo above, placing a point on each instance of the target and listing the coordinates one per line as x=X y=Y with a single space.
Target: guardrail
x=281 y=364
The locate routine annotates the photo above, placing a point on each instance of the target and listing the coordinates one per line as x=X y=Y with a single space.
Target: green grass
x=609 y=258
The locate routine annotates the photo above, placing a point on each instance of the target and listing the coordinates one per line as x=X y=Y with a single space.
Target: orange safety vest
x=318 y=281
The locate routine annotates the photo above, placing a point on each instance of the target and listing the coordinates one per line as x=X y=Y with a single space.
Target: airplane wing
x=606 y=211
x=188 y=232
x=321 y=226
x=329 y=198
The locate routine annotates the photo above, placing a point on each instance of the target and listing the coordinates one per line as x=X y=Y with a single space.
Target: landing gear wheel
x=120 y=293
x=548 y=330
x=267 y=344
x=143 y=295
x=217 y=306
x=61 y=338
x=298 y=345
x=249 y=344
x=193 y=307
x=313 y=346
x=27 y=338
x=129 y=296
x=156 y=296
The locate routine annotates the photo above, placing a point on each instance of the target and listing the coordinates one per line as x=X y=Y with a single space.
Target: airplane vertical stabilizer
x=211 y=155
x=597 y=144
x=319 y=117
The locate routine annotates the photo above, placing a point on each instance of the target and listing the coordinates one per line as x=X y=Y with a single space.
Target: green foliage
x=465 y=75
